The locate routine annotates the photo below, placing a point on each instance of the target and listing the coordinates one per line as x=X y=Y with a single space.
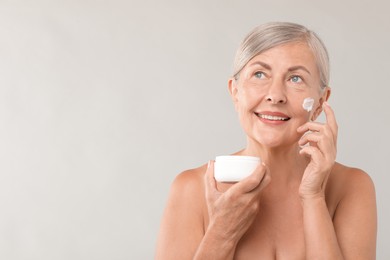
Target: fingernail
x=208 y=164
x=326 y=104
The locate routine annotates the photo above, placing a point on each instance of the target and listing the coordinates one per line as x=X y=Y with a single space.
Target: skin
x=298 y=204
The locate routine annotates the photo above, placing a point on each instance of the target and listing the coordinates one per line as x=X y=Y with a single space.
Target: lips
x=272 y=116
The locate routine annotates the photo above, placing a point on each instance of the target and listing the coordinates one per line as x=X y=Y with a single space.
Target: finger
x=330 y=118
x=310 y=126
x=323 y=140
x=266 y=179
x=210 y=182
x=313 y=152
x=251 y=182
x=309 y=137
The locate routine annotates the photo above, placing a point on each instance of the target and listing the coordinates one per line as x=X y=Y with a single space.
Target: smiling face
x=270 y=90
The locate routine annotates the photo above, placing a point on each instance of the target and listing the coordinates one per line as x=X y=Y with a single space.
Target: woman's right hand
x=231 y=213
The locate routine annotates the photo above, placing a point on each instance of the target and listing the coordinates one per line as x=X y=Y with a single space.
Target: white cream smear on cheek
x=308 y=104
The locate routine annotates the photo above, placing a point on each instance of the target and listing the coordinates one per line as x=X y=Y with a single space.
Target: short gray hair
x=269 y=35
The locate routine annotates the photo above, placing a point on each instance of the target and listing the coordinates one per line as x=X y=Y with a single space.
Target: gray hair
x=269 y=35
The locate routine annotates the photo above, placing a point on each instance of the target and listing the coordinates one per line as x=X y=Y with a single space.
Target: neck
x=284 y=162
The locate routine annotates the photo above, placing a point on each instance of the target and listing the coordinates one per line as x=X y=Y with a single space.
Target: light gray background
x=103 y=103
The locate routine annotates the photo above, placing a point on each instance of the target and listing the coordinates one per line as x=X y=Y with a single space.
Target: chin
x=271 y=143
x=272 y=139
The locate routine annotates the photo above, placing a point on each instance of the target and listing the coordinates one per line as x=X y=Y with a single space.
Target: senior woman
x=299 y=203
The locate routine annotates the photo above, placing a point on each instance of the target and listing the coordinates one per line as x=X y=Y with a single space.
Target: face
x=270 y=90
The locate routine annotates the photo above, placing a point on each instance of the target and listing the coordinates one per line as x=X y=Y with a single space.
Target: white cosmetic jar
x=233 y=168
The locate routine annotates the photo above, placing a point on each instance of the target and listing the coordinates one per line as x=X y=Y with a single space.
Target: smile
x=272 y=118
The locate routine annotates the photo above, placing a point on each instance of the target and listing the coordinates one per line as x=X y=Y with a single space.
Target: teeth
x=268 y=117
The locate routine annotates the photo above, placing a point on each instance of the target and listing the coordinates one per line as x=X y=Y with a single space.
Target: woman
x=298 y=204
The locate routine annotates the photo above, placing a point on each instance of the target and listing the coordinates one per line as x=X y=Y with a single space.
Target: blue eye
x=259 y=74
x=296 y=79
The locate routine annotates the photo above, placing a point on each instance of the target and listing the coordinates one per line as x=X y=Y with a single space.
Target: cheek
x=308 y=106
x=298 y=107
x=302 y=115
x=248 y=99
x=247 y=102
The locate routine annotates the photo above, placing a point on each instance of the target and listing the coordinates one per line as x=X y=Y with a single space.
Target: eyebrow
x=299 y=68
x=265 y=65
x=268 y=67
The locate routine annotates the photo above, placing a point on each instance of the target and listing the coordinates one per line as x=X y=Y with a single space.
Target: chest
x=277 y=232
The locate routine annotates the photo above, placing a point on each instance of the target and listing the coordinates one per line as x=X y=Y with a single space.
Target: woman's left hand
x=322 y=152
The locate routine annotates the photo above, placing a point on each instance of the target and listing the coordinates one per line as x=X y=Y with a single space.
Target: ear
x=232 y=87
x=324 y=97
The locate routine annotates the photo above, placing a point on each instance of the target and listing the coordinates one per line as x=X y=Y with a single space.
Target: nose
x=276 y=93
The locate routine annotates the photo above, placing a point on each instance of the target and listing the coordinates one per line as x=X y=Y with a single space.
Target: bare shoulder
x=187 y=192
x=190 y=181
x=351 y=198
x=183 y=215
x=346 y=180
x=348 y=184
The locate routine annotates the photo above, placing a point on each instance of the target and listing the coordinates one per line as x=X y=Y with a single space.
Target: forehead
x=287 y=55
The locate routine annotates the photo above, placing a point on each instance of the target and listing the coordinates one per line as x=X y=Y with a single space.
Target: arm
x=214 y=246
x=181 y=227
x=352 y=233
x=230 y=214
x=320 y=236
x=355 y=219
